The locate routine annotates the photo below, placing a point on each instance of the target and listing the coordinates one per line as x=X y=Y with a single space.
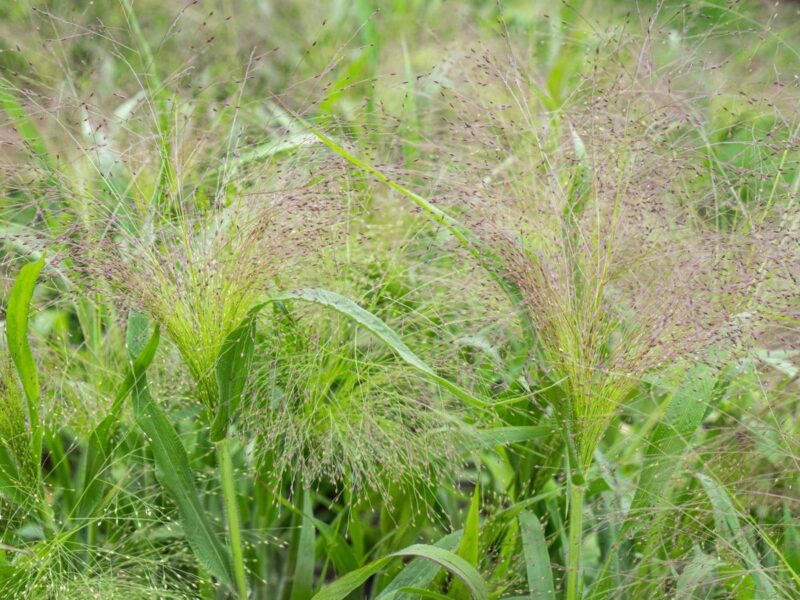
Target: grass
x=399 y=300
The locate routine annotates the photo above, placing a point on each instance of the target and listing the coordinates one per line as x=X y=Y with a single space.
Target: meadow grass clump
x=328 y=407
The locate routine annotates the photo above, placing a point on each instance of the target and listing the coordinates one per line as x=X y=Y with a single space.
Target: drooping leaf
x=456 y=565
x=485 y=256
x=419 y=572
x=382 y=331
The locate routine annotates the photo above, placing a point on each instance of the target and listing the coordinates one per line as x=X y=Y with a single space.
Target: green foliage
x=448 y=300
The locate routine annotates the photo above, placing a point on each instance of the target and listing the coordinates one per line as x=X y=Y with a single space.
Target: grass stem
x=576 y=496
x=232 y=513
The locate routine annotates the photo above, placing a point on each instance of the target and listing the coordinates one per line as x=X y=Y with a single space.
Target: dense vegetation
x=399 y=299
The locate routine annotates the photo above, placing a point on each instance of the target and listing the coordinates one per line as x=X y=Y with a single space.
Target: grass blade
x=452 y=562
x=418 y=573
x=665 y=445
x=304 y=562
x=537 y=558
x=486 y=258
x=232 y=367
x=19 y=303
x=382 y=331
x=97 y=451
x=468 y=549
x=671 y=436
x=174 y=472
x=728 y=527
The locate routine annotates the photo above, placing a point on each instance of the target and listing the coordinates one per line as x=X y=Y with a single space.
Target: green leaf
x=379 y=329
x=671 y=437
x=418 y=573
x=537 y=558
x=304 y=561
x=468 y=549
x=11 y=487
x=17 y=330
x=700 y=387
x=17 y=311
x=174 y=473
x=452 y=562
x=697 y=578
x=232 y=367
x=501 y=436
x=414 y=592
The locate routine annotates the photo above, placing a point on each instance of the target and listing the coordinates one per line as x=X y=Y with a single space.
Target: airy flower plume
x=592 y=212
x=198 y=273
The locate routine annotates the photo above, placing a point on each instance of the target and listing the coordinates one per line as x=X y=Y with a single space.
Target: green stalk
x=232 y=513
x=576 y=495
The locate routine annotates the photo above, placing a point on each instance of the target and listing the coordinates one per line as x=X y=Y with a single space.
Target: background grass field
x=399 y=299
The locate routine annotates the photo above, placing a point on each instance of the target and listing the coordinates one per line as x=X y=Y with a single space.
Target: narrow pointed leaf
x=304 y=562
x=19 y=303
x=537 y=558
x=174 y=473
x=232 y=368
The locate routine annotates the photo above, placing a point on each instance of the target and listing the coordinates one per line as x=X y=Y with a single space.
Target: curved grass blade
x=486 y=258
x=173 y=470
x=418 y=573
x=382 y=331
x=97 y=453
x=443 y=558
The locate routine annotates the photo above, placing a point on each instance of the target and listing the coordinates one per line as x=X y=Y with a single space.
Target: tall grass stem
x=576 y=496
x=232 y=513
